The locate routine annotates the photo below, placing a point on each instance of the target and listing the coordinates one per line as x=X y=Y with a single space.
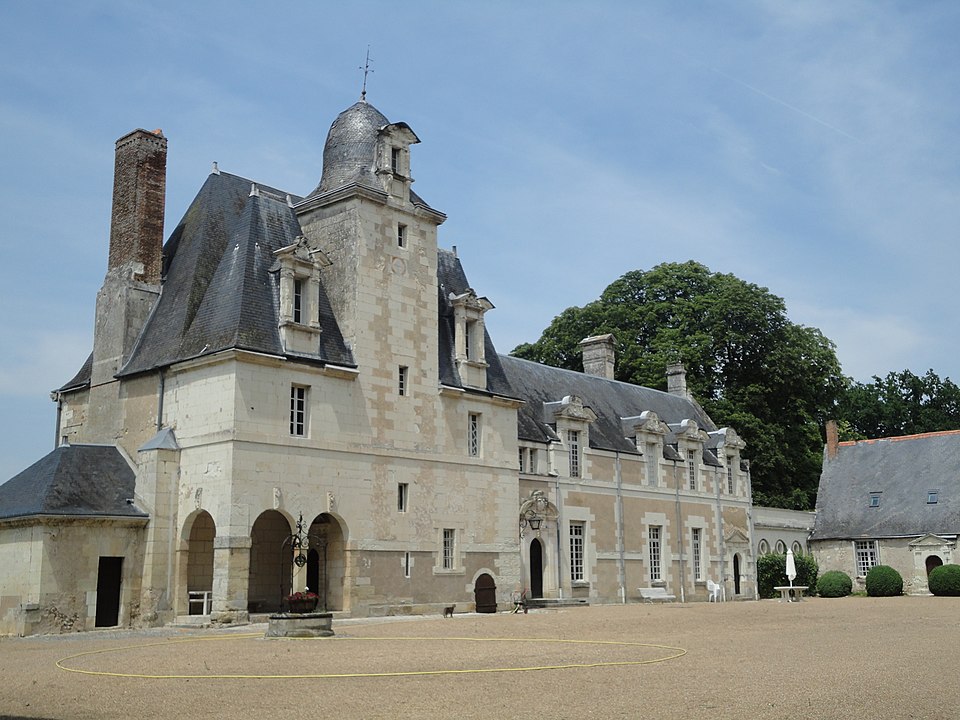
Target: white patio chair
x=714 y=590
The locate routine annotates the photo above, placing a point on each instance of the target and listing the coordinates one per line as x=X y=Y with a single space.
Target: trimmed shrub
x=834 y=584
x=772 y=571
x=883 y=581
x=945 y=580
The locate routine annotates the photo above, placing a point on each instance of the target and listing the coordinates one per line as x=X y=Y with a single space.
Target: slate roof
x=75 y=480
x=902 y=470
x=611 y=400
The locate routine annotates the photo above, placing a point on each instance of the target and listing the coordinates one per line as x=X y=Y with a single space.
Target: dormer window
x=299 y=312
x=469 y=334
x=395 y=160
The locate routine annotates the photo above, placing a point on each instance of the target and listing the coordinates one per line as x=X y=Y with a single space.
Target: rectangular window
x=521 y=453
x=298 y=410
x=406 y=564
x=532 y=465
x=692 y=469
x=573 y=443
x=470 y=344
x=730 y=474
x=449 y=540
x=653 y=464
x=402 y=373
x=653 y=552
x=395 y=160
x=402 y=490
x=933 y=497
x=401 y=235
x=697 y=557
x=297 y=300
x=866 y=552
x=473 y=435
x=874 y=499
x=576 y=551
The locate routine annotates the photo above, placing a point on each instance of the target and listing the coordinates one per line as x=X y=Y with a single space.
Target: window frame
x=402 y=235
x=299 y=410
x=866 y=555
x=577 y=534
x=692 y=469
x=403 y=380
x=448 y=549
x=655 y=552
x=403 y=497
x=696 y=553
x=573 y=447
x=474 y=431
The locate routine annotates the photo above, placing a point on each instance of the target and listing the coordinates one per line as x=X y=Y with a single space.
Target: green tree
x=899 y=404
x=773 y=381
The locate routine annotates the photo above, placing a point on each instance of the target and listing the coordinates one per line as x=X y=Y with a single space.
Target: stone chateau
x=284 y=357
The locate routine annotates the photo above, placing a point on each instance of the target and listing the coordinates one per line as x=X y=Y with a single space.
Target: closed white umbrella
x=791 y=567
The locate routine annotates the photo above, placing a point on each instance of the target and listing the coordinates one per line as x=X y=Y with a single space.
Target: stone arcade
x=319 y=355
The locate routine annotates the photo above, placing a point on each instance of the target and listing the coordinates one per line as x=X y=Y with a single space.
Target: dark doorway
x=536 y=568
x=109 y=575
x=736 y=574
x=485 y=594
x=933 y=562
x=313 y=571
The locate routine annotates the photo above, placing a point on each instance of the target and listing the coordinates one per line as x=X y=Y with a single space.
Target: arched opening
x=763 y=548
x=536 y=568
x=933 y=561
x=270 y=563
x=485 y=594
x=326 y=561
x=781 y=547
x=200 y=564
x=736 y=573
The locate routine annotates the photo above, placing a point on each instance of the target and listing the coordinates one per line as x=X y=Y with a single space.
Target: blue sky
x=808 y=147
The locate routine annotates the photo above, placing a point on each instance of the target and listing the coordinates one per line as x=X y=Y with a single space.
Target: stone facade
x=321 y=360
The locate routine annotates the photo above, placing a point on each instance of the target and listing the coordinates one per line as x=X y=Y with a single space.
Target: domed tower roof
x=349 y=155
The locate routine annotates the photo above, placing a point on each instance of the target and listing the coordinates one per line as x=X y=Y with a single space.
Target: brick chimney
x=599 y=355
x=136 y=222
x=677 y=380
x=833 y=439
x=132 y=283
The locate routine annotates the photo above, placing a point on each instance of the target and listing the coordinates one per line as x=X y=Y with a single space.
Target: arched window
x=781 y=547
x=763 y=548
x=797 y=548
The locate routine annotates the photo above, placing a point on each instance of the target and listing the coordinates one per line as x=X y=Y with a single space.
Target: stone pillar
x=231 y=575
x=157 y=482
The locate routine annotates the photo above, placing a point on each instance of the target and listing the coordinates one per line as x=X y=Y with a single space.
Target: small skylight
x=874 y=499
x=933 y=496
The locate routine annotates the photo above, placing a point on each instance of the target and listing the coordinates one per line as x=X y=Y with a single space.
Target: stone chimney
x=136 y=222
x=132 y=283
x=599 y=356
x=833 y=439
x=677 y=380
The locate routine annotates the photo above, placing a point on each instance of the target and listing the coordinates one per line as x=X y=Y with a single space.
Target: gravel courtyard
x=844 y=658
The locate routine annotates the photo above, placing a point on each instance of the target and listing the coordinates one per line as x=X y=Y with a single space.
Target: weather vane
x=366 y=70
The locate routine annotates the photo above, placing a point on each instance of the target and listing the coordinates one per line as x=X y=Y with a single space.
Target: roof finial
x=366 y=69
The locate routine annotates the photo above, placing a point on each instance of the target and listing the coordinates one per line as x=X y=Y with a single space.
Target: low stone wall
x=300 y=625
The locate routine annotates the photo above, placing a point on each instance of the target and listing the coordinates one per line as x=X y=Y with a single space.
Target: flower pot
x=302 y=605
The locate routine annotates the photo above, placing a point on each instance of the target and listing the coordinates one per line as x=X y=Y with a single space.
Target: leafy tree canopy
x=752 y=369
x=899 y=404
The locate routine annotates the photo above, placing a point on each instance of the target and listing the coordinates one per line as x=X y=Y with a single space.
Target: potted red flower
x=302 y=602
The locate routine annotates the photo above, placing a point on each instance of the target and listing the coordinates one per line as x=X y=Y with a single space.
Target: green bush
x=834 y=584
x=883 y=581
x=945 y=580
x=772 y=571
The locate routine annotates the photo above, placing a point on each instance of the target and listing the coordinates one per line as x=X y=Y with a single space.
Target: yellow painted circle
x=672 y=654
